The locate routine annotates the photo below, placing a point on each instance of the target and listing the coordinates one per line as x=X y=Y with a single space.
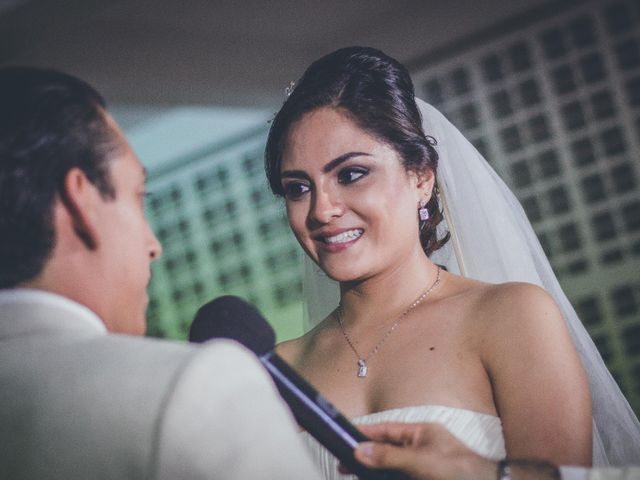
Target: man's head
x=71 y=189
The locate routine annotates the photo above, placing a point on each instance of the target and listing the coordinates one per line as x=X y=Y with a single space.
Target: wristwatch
x=504 y=470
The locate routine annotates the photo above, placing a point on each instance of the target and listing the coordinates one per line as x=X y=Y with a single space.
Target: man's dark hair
x=50 y=122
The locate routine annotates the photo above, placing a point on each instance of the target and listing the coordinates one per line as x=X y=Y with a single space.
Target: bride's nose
x=326 y=204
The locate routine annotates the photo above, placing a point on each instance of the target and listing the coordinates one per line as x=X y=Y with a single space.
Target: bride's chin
x=340 y=274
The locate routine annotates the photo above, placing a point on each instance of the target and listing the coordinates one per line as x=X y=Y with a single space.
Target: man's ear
x=79 y=197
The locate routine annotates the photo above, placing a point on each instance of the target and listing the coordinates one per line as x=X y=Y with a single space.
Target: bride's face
x=350 y=202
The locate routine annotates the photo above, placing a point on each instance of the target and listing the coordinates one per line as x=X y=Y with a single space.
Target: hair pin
x=289 y=89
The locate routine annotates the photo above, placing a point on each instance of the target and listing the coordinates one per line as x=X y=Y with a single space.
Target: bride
x=410 y=340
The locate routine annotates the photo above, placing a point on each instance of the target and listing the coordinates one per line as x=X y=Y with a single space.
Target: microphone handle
x=320 y=418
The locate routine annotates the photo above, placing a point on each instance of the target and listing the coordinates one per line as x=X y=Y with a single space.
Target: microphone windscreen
x=231 y=317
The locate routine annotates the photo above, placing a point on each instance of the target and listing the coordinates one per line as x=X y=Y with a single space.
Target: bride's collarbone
x=416 y=353
x=414 y=367
x=391 y=384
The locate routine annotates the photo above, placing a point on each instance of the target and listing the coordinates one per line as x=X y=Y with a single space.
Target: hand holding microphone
x=233 y=318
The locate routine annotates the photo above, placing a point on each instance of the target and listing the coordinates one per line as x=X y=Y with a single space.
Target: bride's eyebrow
x=327 y=168
x=341 y=159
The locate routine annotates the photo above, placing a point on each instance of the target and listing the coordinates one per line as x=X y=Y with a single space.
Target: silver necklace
x=362 y=361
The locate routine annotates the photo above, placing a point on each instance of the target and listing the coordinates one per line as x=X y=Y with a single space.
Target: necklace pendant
x=362 y=369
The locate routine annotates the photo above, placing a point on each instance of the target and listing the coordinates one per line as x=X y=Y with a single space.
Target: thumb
x=385 y=456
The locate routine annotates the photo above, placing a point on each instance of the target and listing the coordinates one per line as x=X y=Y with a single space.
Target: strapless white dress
x=481 y=432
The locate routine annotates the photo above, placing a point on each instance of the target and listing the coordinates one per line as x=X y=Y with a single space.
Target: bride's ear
x=425 y=183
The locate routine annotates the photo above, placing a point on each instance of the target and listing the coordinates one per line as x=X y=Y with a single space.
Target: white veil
x=493 y=241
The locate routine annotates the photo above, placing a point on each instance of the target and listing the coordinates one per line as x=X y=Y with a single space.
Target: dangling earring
x=423 y=213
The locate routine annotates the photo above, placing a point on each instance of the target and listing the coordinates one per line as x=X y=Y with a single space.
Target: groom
x=82 y=396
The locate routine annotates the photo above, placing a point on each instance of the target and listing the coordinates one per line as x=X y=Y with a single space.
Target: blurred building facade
x=223 y=233
x=553 y=102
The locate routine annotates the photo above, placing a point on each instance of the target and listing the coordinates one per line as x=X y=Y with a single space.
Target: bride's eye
x=351 y=174
x=294 y=190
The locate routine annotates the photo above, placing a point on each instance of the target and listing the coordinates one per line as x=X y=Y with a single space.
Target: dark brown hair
x=50 y=122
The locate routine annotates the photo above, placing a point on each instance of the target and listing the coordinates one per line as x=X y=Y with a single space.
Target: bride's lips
x=338 y=240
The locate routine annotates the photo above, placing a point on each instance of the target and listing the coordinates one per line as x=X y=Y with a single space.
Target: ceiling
x=234 y=53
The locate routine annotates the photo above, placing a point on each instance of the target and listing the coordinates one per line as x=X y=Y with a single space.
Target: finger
x=387 y=456
x=397 y=433
x=411 y=434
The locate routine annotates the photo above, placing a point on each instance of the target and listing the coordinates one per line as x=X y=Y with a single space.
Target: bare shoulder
x=290 y=350
x=295 y=349
x=516 y=303
x=496 y=310
x=495 y=297
x=514 y=319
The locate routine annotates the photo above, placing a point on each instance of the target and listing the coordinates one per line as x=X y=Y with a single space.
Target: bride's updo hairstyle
x=374 y=91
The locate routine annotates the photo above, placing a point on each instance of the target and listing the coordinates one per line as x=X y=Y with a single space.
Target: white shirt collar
x=27 y=295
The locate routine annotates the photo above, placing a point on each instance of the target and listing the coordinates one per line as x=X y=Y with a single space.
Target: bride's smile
x=336 y=241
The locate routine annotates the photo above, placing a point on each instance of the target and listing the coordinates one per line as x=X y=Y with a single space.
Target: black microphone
x=233 y=318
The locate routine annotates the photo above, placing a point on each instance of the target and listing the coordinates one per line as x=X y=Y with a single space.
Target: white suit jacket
x=78 y=403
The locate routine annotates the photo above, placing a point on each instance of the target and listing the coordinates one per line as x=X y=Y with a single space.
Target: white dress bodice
x=481 y=432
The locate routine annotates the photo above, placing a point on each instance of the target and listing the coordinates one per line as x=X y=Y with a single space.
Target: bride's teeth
x=344 y=236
